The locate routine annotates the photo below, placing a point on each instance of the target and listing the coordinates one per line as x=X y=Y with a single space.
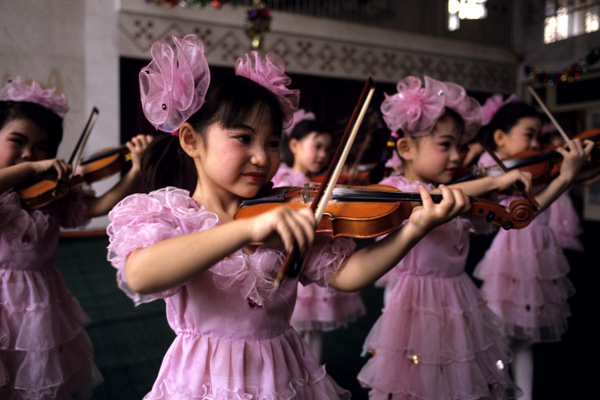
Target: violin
x=98 y=166
x=543 y=165
x=361 y=175
x=37 y=193
x=363 y=212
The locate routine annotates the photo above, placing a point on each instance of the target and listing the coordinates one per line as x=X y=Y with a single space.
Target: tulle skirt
x=45 y=352
x=202 y=367
x=317 y=309
x=437 y=340
x=526 y=284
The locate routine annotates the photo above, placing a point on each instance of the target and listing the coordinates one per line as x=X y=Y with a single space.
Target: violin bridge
x=305 y=193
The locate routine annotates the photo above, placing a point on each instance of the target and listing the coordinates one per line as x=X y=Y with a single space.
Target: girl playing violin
x=564 y=219
x=436 y=339
x=182 y=244
x=317 y=309
x=44 y=350
x=524 y=272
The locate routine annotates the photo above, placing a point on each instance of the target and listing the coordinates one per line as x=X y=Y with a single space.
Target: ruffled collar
x=254 y=273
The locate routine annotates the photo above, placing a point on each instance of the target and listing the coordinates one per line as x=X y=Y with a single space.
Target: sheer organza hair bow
x=16 y=90
x=173 y=88
x=492 y=105
x=299 y=116
x=415 y=109
x=270 y=73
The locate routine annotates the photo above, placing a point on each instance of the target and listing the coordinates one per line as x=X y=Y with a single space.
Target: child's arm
x=574 y=155
x=102 y=205
x=19 y=173
x=174 y=261
x=488 y=184
x=370 y=263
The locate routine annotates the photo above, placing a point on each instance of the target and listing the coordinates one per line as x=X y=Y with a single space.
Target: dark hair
x=41 y=116
x=505 y=119
x=229 y=101
x=300 y=131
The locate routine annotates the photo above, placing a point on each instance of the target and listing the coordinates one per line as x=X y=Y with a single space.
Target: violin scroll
x=519 y=214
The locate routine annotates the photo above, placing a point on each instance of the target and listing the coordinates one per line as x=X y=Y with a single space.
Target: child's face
x=523 y=136
x=436 y=155
x=239 y=160
x=21 y=140
x=311 y=153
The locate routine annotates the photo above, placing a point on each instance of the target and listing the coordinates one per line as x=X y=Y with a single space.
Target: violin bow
x=548 y=113
x=319 y=203
x=78 y=150
x=519 y=185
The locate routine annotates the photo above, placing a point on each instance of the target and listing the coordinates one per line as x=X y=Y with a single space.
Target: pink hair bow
x=173 y=89
x=492 y=105
x=270 y=73
x=299 y=116
x=17 y=90
x=415 y=109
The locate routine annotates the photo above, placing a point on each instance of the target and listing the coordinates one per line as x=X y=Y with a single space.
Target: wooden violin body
x=39 y=193
x=375 y=210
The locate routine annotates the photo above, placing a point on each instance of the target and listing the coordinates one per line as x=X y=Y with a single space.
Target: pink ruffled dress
x=524 y=274
x=436 y=339
x=234 y=339
x=318 y=308
x=565 y=223
x=45 y=352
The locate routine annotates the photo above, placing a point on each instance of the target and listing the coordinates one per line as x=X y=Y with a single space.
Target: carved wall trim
x=314 y=52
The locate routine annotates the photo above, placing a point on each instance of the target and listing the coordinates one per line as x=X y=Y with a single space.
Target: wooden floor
x=131 y=341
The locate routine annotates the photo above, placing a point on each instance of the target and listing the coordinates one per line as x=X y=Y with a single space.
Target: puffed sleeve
x=325 y=258
x=141 y=220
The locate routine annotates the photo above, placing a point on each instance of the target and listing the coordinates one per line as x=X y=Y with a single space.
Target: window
x=568 y=18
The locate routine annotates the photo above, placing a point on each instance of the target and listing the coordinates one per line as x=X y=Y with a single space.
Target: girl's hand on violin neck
x=575 y=154
x=137 y=145
x=53 y=168
x=283 y=225
x=510 y=178
x=429 y=215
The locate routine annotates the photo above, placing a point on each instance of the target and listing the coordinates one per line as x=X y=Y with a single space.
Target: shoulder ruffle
x=21 y=229
x=285 y=176
x=141 y=220
x=325 y=258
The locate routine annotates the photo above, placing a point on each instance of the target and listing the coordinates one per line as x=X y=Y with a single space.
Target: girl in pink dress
x=524 y=272
x=436 y=339
x=45 y=352
x=564 y=218
x=182 y=244
x=318 y=309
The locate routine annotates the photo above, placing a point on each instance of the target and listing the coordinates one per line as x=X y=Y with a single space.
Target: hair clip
x=16 y=90
x=270 y=73
x=173 y=89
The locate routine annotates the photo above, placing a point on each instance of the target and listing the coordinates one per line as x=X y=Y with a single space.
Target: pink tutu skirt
x=525 y=282
x=564 y=222
x=436 y=340
x=318 y=309
x=44 y=351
